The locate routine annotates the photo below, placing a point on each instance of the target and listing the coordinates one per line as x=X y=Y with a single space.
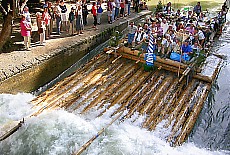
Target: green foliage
x=159 y=7
x=200 y=57
x=116 y=36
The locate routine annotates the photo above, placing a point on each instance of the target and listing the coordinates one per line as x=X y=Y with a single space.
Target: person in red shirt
x=122 y=5
x=94 y=12
x=46 y=17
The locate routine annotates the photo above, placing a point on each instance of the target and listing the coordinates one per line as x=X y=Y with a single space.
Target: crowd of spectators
x=57 y=16
x=178 y=35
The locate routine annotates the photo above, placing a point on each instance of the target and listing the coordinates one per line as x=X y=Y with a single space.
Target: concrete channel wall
x=36 y=72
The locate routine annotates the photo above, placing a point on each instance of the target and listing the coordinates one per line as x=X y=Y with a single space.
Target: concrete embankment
x=26 y=71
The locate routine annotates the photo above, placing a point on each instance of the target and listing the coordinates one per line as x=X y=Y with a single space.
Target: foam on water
x=61 y=132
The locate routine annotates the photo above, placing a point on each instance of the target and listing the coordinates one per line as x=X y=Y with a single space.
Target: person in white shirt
x=165 y=26
x=117 y=8
x=27 y=14
x=79 y=19
x=196 y=47
x=139 y=37
x=113 y=10
x=201 y=36
x=166 y=45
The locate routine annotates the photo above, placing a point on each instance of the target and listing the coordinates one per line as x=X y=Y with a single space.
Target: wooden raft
x=105 y=82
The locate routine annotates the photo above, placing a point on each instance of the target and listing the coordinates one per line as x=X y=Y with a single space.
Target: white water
x=60 y=132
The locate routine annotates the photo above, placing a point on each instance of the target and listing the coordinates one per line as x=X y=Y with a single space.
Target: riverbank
x=26 y=71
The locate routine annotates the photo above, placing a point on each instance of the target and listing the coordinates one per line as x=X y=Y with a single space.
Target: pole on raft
x=87 y=144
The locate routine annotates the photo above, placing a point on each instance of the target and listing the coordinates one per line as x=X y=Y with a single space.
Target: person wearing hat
x=26 y=13
x=139 y=37
x=71 y=21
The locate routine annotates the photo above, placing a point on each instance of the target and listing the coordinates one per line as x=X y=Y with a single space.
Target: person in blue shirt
x=186 y=50
x=197 y=9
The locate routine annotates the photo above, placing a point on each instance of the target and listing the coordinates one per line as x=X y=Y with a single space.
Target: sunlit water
x=60 y=132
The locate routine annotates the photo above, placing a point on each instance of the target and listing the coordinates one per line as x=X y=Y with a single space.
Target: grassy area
x=206 y=4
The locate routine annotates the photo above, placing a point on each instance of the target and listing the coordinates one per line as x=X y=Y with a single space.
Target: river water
x=60 y=132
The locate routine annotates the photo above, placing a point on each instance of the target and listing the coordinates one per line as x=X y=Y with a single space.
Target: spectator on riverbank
x=84 y=12
x=122 y=11
x=79 y=20
x=94 y=12
x=26 y=13
x=64 y=17
x=109 y=11
x=99 y=12
x=25 y=31
x=117 y=8
x=71 y=21
x=57 y=14
x=41 y=27
x=46 y=17
x=50 y=10
x=113 y=10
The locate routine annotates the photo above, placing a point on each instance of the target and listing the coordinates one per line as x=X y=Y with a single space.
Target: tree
x=7 y=20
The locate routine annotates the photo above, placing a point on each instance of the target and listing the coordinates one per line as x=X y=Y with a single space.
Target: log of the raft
x=109 y=71
x=12 y=130
x=170 y=103
x=144 y=98
x=154 y=97
x=185 y=111
x=78 y=74
x=104 y=95
x=179 y=104
x=78 y=85
x=129 y=90
x=159 y=106
x=87 y=144
x=186 y=130
x=102 y=88
x=136 y=95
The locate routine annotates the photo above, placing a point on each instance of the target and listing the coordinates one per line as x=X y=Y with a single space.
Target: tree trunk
x=6 y=30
